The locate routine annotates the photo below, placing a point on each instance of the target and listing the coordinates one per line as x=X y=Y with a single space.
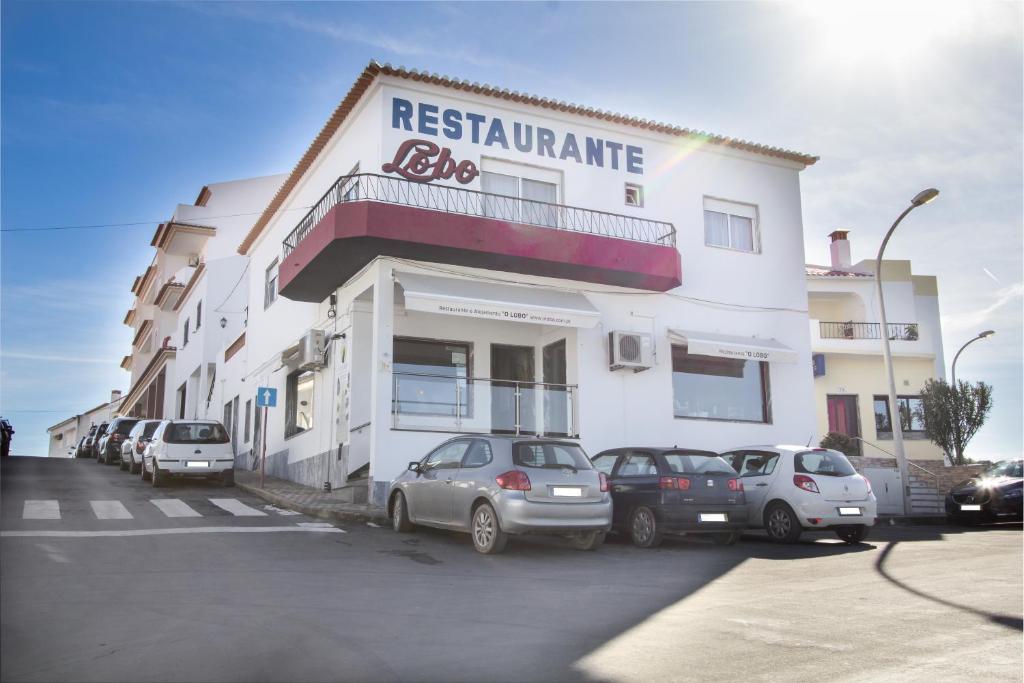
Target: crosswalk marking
x=110 y=509
x=41 y=509
x=173 y=507
x=166 y=532
x=237 y=507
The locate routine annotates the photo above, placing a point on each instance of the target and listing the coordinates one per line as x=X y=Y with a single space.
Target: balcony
x=853 y=330
x=445 y=403
x=366 y=215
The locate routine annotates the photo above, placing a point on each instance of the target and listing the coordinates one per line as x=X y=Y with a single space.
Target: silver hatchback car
x=495 y=486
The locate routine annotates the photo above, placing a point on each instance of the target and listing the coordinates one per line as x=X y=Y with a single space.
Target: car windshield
x=196 y=432
x=823 y=462
x=551 y=455
x=1007 y=468
x=125 y=426
x=682 y=462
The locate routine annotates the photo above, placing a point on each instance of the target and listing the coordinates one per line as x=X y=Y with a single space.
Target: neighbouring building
x=480 y=260
x=64 y=435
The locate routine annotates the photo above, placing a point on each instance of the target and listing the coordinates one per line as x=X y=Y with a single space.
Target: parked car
x=497 y=486
x=658 y=491
x=80 y=448
x=198 y=449
x=992 y=495
x=101 y=431
x=110 y=442
x=134 y=445
x=792 y=489
x=87 y=446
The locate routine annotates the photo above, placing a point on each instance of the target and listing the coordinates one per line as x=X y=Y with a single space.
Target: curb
x=912 y=520
x=358 y=513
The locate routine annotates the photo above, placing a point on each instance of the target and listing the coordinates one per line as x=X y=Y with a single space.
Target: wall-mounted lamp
x=223 y=323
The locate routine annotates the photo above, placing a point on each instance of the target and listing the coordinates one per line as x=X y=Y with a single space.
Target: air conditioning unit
x=311 y=350
x=632 y=350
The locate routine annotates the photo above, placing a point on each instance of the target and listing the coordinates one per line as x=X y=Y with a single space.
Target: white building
x=64 y=435
x=851 y=385
x=479 y=260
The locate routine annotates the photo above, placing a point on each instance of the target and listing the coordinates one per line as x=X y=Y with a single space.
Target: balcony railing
x=458 y=200
x=852 y=330
x=445 y=403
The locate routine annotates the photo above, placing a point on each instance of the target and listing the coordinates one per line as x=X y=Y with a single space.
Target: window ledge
x=723 y=419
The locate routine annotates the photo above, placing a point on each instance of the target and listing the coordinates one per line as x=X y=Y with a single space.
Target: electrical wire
x=96 y=226
x=237 y=282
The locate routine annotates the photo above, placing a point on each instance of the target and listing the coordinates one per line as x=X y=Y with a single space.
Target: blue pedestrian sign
x=266 y=397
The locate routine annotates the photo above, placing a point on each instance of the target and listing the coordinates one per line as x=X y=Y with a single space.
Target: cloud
x=974 y=320
x=56 y=357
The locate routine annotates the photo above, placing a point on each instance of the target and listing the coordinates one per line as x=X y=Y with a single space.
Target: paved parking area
x=365 y=604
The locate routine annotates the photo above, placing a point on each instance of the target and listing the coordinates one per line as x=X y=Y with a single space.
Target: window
x=248 y=418
x=184 y=340
x=823 y=462
x=270 y=285
x=199 y=315
x=431 y=377
x=638 y=465
x=479 y=455
x=196 y=432
x=532 y=201
x=911 y=415
x=447 y=457
x=730 y=225
x=753 y=464
x=605 y=463
x=634 y=195
x=697 y=463
x=299 y=403
x=713 y=388
x=551 y=455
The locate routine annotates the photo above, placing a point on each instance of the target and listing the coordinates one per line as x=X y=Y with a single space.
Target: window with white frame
x=270 y=285
x=516 y=192
x=730 y=225
x=634 y=195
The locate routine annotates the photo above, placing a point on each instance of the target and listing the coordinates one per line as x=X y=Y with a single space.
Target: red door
x=842 y=415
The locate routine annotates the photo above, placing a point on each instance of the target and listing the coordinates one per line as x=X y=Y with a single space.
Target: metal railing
x=445 y=403
x=457 y=200
x=853 y=330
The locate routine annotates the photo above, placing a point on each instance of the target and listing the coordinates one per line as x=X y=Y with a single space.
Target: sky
x=115 y=112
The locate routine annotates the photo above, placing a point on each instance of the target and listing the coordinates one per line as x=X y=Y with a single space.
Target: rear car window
x=148 y=430
x=697 y=463
x=195 y=432
x=550 y=455
x=824 y=463
x=125 y=426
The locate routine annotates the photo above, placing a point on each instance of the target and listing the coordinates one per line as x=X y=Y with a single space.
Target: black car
x=110 y=443
x=658 y=491
x=101 y=431
x=993 y=495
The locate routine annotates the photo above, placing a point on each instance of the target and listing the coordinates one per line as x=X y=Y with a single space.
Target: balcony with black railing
x=856 y=330
x=367 y=215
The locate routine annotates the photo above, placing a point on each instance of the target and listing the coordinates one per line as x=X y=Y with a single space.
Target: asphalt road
x=223 y=597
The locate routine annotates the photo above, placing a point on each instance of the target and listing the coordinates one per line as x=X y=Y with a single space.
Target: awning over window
x=494 y=301
x=730 y=346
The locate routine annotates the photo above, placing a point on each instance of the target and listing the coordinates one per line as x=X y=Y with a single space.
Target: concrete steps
x=924 y=498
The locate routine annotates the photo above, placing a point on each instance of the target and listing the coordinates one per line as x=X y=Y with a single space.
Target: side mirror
x=414 y=467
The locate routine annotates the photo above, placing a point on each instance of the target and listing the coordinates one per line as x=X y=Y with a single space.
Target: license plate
x=196 y=463
x=713 y=517
x=849 y=512
x=567 y=491
x=970 y=508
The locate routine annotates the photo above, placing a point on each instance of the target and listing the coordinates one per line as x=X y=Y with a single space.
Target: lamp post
x=920 y=199
x=982 y=335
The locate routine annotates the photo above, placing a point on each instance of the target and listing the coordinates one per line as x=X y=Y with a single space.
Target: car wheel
x=781 y=524
x=134 y=467
x=124 y=464
x=852 y=535
x=145 y=474
x=588 y=540
x=228 y=478
x=644 y=528
x=488 y=538
x=726 y=538
x=400 y=514
x=156 y=477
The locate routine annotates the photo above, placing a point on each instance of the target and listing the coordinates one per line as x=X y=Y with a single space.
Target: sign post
x=266 y=397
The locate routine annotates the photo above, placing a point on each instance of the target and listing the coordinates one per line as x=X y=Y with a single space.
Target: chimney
x=840 y=250
x=115 y=395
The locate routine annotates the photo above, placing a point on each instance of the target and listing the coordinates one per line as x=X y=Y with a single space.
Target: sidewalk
x=334 y=506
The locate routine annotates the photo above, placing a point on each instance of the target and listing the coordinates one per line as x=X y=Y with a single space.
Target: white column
x=380 y=377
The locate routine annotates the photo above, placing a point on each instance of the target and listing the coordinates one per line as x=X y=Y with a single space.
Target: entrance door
x=556 y=398
x=842 y=416
x=511 y=364
x=228 y=414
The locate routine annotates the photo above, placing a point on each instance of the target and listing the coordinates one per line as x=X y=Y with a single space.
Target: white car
x=198 y=449
x=135 y=445
x=792 y=489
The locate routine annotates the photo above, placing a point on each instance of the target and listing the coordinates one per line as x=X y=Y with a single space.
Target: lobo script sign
x=422 y=161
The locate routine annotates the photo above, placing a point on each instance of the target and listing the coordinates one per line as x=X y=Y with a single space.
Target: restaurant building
x=449 y=258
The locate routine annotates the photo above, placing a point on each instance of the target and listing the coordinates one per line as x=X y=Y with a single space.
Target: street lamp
x=986 y=333
x=920 y=199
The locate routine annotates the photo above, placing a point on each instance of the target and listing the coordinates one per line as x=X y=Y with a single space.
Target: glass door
x=512 y=403
x=556 y=398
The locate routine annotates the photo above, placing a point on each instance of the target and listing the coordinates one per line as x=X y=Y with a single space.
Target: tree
x=953 y=415
x=840 y=442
